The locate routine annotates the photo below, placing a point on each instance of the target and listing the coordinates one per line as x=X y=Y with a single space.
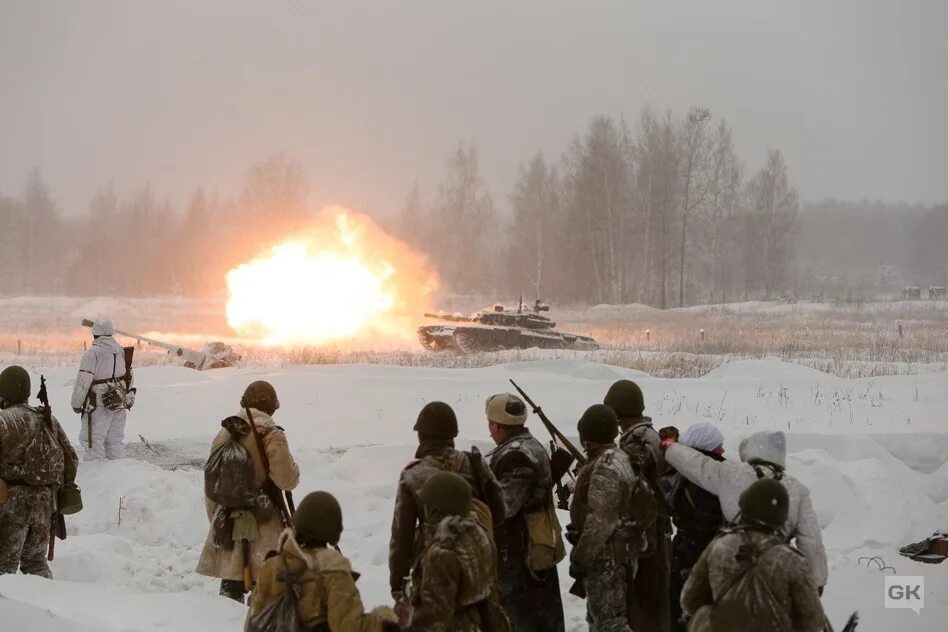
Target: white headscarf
x=702 y=436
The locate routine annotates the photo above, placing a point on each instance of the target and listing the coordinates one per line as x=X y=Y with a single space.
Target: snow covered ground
x=872 y=451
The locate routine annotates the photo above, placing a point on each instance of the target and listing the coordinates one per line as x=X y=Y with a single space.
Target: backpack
x=43 y=460
x=479 y=508
x=282 y=614
x=229 y=472
x=647 y=503
x=643 y=511
x=748 y=604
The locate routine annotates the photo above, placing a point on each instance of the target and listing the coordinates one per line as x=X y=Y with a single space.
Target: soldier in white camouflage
x=437 y=426
x=36 y=460
x=749 y=578
x=604 y=553
x=530 y=597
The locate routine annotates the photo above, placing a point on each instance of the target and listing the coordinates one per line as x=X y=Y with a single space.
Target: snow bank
x=871 y=451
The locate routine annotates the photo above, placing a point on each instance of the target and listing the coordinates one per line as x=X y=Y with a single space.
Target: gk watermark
x=903 y=591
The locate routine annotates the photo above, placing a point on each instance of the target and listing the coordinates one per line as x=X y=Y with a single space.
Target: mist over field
x=373 y=205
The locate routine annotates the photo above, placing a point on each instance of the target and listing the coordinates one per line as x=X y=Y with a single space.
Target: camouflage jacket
x=19 y=424
x=522 y=468
x=328 y=597
x=793 y=602
x=454 y=579
x=408 y=521
x=638 y=435
x=600 y=509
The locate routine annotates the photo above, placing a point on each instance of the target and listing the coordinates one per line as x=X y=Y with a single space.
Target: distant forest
x=661 y=212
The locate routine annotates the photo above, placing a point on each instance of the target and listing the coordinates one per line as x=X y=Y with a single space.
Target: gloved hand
x=78 y=411
x=576 y=570
x=571 y=535
x=403 y=611
x=819 y=589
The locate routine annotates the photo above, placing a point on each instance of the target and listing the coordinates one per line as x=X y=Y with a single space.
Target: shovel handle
x=248 y=579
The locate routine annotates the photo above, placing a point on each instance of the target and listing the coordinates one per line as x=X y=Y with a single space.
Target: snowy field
x=872 y=451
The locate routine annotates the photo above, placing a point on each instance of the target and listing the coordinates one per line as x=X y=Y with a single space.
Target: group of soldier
x=475 y=540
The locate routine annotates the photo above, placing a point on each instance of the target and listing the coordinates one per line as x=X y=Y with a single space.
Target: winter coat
x=784 y=571
x=284 y=472
x=599 y=509
x=407 y=540
x=454 y=580
x=104 y=359
x=727 y=479
x=19 y=424
x=531 y=599
x=328 y=594
x=697 y=517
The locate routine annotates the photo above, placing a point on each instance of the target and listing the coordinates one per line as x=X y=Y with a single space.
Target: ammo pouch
x=69 y=499
x=544 y=539
x=114 y=396
x=222 y=530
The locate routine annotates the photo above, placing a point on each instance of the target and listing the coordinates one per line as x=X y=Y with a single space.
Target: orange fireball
x=340 y=280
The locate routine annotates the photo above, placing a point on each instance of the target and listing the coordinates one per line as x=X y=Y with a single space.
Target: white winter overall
x=105 y=359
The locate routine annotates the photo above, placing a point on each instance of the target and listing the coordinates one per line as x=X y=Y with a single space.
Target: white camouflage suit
x=103 y=360
x=727 y=479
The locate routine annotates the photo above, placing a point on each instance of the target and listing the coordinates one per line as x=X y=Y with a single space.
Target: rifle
x=275 y=494
x=559 y=455
x=57 y=520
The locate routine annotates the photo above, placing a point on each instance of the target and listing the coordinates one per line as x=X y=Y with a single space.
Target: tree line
x=662 y=212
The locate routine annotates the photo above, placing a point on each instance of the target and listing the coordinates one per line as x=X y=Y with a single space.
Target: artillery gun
x=214 y=355
x=497 y=328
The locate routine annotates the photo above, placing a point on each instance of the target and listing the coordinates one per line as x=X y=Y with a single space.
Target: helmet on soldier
x=599 y=424
x=14 y=385
x=446 y=494
x=437 y=420
x=262 y=396
x=318 y=519
x=765 y=502
x=625 y=398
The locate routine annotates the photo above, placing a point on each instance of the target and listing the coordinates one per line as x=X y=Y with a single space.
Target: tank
x=497 y=328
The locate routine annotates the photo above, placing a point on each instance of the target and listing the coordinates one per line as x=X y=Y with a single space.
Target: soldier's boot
x=233 y=589
x=33 y=559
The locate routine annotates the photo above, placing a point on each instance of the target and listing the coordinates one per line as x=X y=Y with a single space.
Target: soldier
x=437 y=426
x=228 y=563
x=749 y=578
x=101 y=373
x=328 y=597
x=696 y=514
x=529 y=594
x=763 y=455
x=453 y=584
x=36 y=460
x=649 y=600
x=603 y=555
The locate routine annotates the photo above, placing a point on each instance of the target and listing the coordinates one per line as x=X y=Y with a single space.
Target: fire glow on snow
x=342 y=278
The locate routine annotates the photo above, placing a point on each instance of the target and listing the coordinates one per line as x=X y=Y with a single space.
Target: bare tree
x=774 y=205
x=698 y=179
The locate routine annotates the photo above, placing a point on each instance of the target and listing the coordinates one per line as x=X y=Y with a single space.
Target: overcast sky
x=371 y=96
